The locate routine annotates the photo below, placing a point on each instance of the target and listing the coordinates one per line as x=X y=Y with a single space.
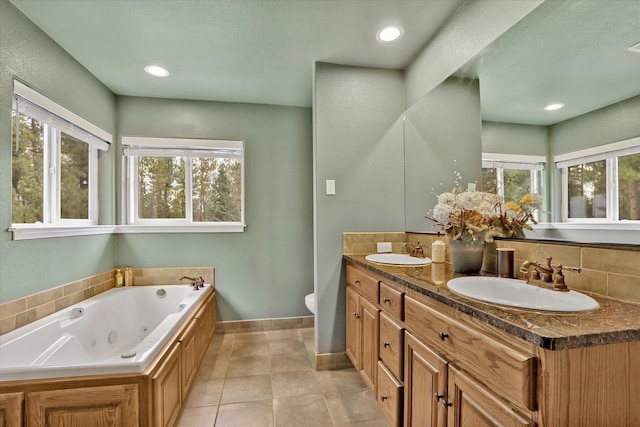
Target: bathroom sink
x=398 y=259
x=519 y=294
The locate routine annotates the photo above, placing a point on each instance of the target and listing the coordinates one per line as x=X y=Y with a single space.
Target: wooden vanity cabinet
x=362 y=336
x=11 y=407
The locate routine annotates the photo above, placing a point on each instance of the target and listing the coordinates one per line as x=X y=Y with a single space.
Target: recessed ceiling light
x=552 y=107
x=388 y=34
x=156 y=70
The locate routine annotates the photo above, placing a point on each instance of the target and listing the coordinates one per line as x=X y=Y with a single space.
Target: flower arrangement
x=477 y=216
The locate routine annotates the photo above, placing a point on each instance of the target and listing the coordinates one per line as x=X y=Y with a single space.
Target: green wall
x=357 y=142
x=28 y=54
x=511 y=138
x=266 y=271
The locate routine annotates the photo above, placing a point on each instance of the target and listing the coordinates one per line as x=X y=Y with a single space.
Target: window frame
x=610 y=153
x=188 y=148
x=69 y=123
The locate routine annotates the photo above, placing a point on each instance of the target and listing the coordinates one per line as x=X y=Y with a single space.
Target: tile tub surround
x=609 y=270
x=19 y=312
x=614 y=321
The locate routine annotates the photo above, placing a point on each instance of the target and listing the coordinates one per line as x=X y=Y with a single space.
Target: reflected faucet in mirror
x=546 y=275
x=197 y=283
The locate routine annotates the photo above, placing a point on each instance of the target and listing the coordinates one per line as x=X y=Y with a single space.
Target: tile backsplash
x=609 y=271
x=19 y=312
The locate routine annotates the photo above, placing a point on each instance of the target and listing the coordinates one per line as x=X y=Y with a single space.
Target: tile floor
x=266 y=379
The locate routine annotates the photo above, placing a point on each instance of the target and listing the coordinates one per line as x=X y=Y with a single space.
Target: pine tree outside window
x=601 y=184
x=54 y=163
x=178 y=182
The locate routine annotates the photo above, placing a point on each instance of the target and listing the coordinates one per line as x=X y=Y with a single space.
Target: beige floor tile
x=372 y=423
x=290 y=362
x=249 y=414
x=250 y=365
x=284 y=333
x=336 y=383
x=287 y=345
x=356 y=407
x=204 y=416
x=204 y=392
x=250 y=348
x=294 y=384
x=251 y=336
x=308 y=411
x=246 y=389
x=214 y=366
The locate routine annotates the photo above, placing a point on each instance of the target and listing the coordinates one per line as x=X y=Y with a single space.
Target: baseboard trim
x=330 y=361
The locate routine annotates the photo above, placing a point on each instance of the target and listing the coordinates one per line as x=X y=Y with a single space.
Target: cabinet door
x=106 y=406
x=425 y=385
x=370 y=324
x=474 y=406
x=189 y=355
x=167 y=389
x=353 y=327
x=11 y=409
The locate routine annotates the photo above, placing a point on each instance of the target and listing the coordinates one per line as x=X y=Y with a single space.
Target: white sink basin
x=519 y=294
x=398 y=259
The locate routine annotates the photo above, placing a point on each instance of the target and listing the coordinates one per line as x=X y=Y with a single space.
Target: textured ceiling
x=256 y=51
x=263 y=51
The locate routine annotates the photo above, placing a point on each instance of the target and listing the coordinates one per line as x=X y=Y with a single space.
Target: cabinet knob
x=383 y=398
x=438 y=396
x=386 y=344
x=446 y=404
x=356 y=315
x=443 y=336
x=386 y=300
x=357 y=282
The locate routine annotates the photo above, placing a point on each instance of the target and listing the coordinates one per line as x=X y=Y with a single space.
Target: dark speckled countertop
x=614 y=321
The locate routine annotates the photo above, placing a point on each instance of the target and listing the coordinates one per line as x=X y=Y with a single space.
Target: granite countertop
x=613 y=322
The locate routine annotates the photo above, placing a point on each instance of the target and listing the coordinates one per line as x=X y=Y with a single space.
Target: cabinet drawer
x=510 y=371
x=390 y=393
x=392 y=301
x=391 y=345
x=366 y=283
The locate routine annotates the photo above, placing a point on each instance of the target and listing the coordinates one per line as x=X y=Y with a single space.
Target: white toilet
x=310 y=302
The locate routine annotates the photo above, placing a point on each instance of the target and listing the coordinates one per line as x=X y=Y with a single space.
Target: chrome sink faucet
x=417 y=250
x=197 y=283
x=548 y=275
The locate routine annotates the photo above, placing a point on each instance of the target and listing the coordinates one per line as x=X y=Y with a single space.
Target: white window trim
x=45 y=231
x=609 y=153
x=186 y=225
x=55 y=226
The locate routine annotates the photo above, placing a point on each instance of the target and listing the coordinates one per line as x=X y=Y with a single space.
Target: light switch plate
x=331 y=187
x=384 y=247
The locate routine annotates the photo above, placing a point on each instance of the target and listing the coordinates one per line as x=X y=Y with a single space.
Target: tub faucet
x=548 y=275
x=197 y=283
x=417 y=250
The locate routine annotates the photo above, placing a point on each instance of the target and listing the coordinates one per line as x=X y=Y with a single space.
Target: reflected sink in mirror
x=519 y=294
x=397 y=259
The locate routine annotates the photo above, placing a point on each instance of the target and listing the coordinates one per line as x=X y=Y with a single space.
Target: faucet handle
x=558 y=277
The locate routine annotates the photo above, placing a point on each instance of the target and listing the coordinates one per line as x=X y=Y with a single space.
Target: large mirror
x=578 y=53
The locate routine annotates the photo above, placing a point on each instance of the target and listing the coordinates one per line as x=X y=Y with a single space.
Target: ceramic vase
x=466 y=256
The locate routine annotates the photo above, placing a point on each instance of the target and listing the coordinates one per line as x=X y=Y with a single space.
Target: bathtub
x=118 y=331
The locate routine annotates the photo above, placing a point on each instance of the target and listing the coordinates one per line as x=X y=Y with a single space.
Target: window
x=512 y=176
x=602 y=183
x=177 y=182
x=54 y=162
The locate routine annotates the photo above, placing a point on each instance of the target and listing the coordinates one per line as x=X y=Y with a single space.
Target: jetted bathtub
x=118 y=331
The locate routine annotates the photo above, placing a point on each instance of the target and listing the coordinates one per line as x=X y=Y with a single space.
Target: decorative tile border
x=237 y=326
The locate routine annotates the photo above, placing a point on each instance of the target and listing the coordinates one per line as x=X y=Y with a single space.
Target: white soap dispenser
x=437 y=250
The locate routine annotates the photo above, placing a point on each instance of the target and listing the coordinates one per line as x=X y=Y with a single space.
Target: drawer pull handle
x=386 y=300
x=386 y=344
x=438 y=396
x=443 y=336
x=383 y=398
x=446 y=404
x=356 y=315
